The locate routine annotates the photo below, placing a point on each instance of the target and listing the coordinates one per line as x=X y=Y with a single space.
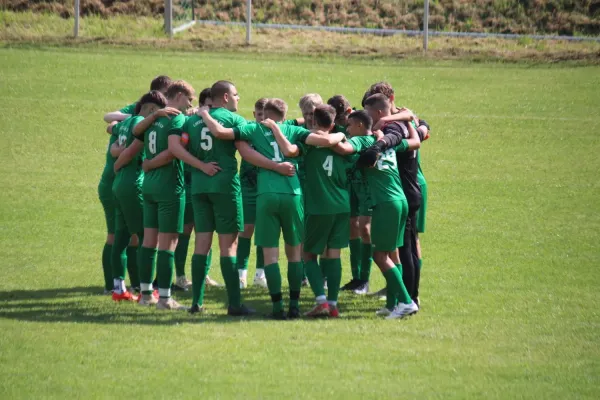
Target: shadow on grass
x=87 y=305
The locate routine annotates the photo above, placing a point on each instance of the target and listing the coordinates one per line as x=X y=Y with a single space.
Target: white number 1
x=328 y=165
x=276 y=151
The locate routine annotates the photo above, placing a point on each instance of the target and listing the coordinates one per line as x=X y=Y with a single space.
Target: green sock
x=199 y=272
x=295 y=275
x=420 y=264
x=273 y=276
x=403 y=296
x=355 y=257
x=181 y=252
x=165 y=264
x=243 y=252
x=118 y=255
x=366 y=261
x=315 y=277
x=147 y=268
x=334 y=278
x=132 y=269
x=107 y=266
x=260 y=258
x=232 y=283
x=392 y=286
x=209 y=259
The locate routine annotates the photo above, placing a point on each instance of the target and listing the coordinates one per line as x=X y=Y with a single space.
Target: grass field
x=510 y=276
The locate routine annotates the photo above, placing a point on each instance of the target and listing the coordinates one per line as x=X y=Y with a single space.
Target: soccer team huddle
x=334 y=178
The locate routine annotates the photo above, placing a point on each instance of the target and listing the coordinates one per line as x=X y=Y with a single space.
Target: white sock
x=260 y=273
x=146 y=287
x=321 y=299
x=332 y=303
x=243 y=273
x=164 y=293
x=119 y=286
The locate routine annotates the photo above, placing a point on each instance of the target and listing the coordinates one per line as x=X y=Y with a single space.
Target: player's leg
x=366 y=252
x=355 y=241
x=204 y=221
x=229 y=217
x=386 y=236
x=243 y=251
x=420 y=228
x=183 y=243
x=122 y=238
x=170 y=225
x=291 y=217
x=106 y=199
x=337 y=240
x=317 y=229
x=147 y=253
x=406 y=253
x=267 y=234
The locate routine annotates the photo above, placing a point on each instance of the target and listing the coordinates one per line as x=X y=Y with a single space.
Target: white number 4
x=328 y=165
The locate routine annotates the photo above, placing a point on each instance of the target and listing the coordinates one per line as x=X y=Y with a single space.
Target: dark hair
x=363 y=117
x=324 y=115
x=378 y=101
x=365 y=97
x=277 y=107
x=260 y=103
x=383 y=88
x=179 y=87
x=219 y=89
x=161 y=83
x=204 y=95
x=340 y=104
x=153 y=97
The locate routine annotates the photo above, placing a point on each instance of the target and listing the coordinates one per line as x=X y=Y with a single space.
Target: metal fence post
x=248 y=21
x=76 y=28
x=169 y=17
x=426 y=26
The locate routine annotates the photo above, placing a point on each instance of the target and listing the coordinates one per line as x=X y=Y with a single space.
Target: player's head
x=204 y=98
x=224 y=94
x=275 y=109
x=324 y=116
x=259 y=109
x=307 y=106
x=342 y=109
x=180 y=95
x=359 y=123
x=161 y=83
x=377 y=105
x=365 y=97
x=150 y=102
x=385 y=89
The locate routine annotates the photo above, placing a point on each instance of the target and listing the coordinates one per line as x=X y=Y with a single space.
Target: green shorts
x=326 y=232
x=249 y=205
x=387 y=225
x=129 y=212
x=164 y=215
x=277 y=212
x=422 y=210
x=188 y=212
x=107 y=199
x=218 y=212
x=360 y=200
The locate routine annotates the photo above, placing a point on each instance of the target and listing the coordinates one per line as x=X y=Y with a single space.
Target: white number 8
x=152 y=142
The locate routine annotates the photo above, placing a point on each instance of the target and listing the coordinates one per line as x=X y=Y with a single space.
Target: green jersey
x=168 y=179
x=130 y=109
x=263 y=141
x=325 y=189
x=300 y=159
x=204 y=146
x=420 y=176
x=383 y=179
x=130 y=176
x=108 y=174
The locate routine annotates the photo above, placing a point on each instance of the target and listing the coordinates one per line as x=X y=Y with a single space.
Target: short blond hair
x=308 y=102
x=179 y=87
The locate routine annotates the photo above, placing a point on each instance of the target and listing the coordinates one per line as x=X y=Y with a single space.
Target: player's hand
x=286 y=169
x=210 y=168
x=191 y=111
x=146 y=165
x=368 y=158
x=378 y=134
x=269 y=123
x=166 y=112
x=379 y=125
x=201 y=111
